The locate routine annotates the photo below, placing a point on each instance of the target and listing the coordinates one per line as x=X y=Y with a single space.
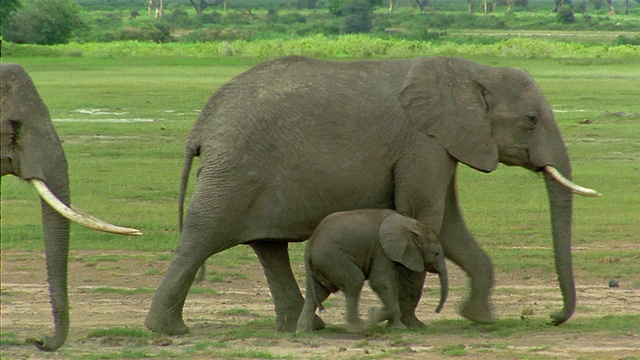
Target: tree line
x=60 y=21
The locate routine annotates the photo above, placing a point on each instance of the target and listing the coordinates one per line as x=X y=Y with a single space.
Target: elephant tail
x=312 y=282
x=192 y=151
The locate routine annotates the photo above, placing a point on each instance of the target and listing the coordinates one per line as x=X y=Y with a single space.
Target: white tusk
x=86 y=221
x=580 y=190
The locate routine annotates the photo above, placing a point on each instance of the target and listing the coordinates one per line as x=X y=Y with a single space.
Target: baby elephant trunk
x=444 y=284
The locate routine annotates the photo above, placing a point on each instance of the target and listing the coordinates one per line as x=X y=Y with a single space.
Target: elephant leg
x=460 y=247
x=384 y=282
x=354 y=323
x=315 y=295
x=410 y=286
x=287 y=299
x=199 y=240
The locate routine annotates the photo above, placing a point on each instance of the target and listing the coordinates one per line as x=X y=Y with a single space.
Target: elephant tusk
x=580 y=190
x=84 y=220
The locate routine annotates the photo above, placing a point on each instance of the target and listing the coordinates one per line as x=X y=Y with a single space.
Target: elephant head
x=415 y=246
x=484 y=115
x=31 y=150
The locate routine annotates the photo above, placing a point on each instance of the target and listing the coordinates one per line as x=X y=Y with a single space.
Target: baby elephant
x=350 y=247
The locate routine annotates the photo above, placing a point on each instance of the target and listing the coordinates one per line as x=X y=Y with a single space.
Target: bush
x=179 y=18
x=565 y=15
x=213 y=17
x=214 y=35
x=44 y=22
x=292 y=18
x=158 y=32
x=627 y=40
x=358 y=13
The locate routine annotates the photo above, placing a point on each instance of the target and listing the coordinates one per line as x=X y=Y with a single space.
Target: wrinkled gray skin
x=350 y=247
x=293 y=140
x=31 y=149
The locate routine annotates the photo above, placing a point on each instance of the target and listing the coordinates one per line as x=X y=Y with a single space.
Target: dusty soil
x=241 y=296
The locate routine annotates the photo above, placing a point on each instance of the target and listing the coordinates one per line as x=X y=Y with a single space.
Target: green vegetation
x=603 y=152
x=254 y=20
x=43 y=22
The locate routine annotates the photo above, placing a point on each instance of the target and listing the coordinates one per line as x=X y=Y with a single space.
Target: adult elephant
x=31 y=150
x=292 y=140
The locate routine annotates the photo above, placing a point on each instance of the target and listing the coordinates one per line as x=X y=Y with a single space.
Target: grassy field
x=124 y=123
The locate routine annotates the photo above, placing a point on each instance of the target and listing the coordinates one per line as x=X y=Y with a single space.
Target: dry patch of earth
x=115 y=288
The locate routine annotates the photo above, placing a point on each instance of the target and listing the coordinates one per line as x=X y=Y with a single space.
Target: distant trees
x=489 y=6
x=44 y=22
x=7 y=8
x=200 y=5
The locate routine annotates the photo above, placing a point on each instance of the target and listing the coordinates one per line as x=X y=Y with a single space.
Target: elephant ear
x=444 y=98
x=400 y=240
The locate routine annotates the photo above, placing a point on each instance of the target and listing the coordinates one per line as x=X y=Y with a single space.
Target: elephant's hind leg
x=287 y=299
x=200 y=239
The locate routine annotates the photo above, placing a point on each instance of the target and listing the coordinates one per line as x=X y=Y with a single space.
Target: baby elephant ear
x=399 y=241
x=445 y=98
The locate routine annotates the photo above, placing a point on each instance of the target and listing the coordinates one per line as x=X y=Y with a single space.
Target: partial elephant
x=293 y=140
x=31 y=150
x=348 y=248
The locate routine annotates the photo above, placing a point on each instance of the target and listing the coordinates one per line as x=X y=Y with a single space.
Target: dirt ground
x=242 y=295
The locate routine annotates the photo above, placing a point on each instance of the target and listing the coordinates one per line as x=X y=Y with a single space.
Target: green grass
x=128 y=173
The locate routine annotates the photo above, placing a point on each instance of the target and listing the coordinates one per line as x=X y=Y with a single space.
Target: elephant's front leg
x=287 y=299
x=410 y=286
x=460 y=247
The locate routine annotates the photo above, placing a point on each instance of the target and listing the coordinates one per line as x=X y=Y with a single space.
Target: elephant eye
x=532 y=120
x=16 y=126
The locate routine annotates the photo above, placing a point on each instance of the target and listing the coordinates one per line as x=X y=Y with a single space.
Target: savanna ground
x=231 y=316
x=124 y=121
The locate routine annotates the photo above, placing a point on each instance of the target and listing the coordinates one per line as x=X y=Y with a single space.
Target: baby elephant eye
x=532 y=120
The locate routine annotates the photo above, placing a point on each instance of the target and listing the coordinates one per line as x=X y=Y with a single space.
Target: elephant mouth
x=81 y=219
x=575 y=188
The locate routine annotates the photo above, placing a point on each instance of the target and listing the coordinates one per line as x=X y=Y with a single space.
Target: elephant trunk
x=56 y=240
x=549 y=153
x=444 y=284
x=561 y=206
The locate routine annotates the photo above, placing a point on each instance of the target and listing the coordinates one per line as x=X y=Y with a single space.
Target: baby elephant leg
x=383 y=281
x=354 y=323
x=315 y=295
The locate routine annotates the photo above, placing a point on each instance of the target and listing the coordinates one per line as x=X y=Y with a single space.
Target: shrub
x=627 y=40
x=272 y=16
x=213 y=17
x=565 y=15
x=214 y=35
x=358 y=13
x=157 y=32
x=292 y=18
x=179 y=18
x=44 y=22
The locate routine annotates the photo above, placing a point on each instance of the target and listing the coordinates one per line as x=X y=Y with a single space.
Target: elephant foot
x=161 y=324
x=318 y=323
x=478 y=312
x=395 y=325
x=356 y=326
x=411 y=321
x=306 y=325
